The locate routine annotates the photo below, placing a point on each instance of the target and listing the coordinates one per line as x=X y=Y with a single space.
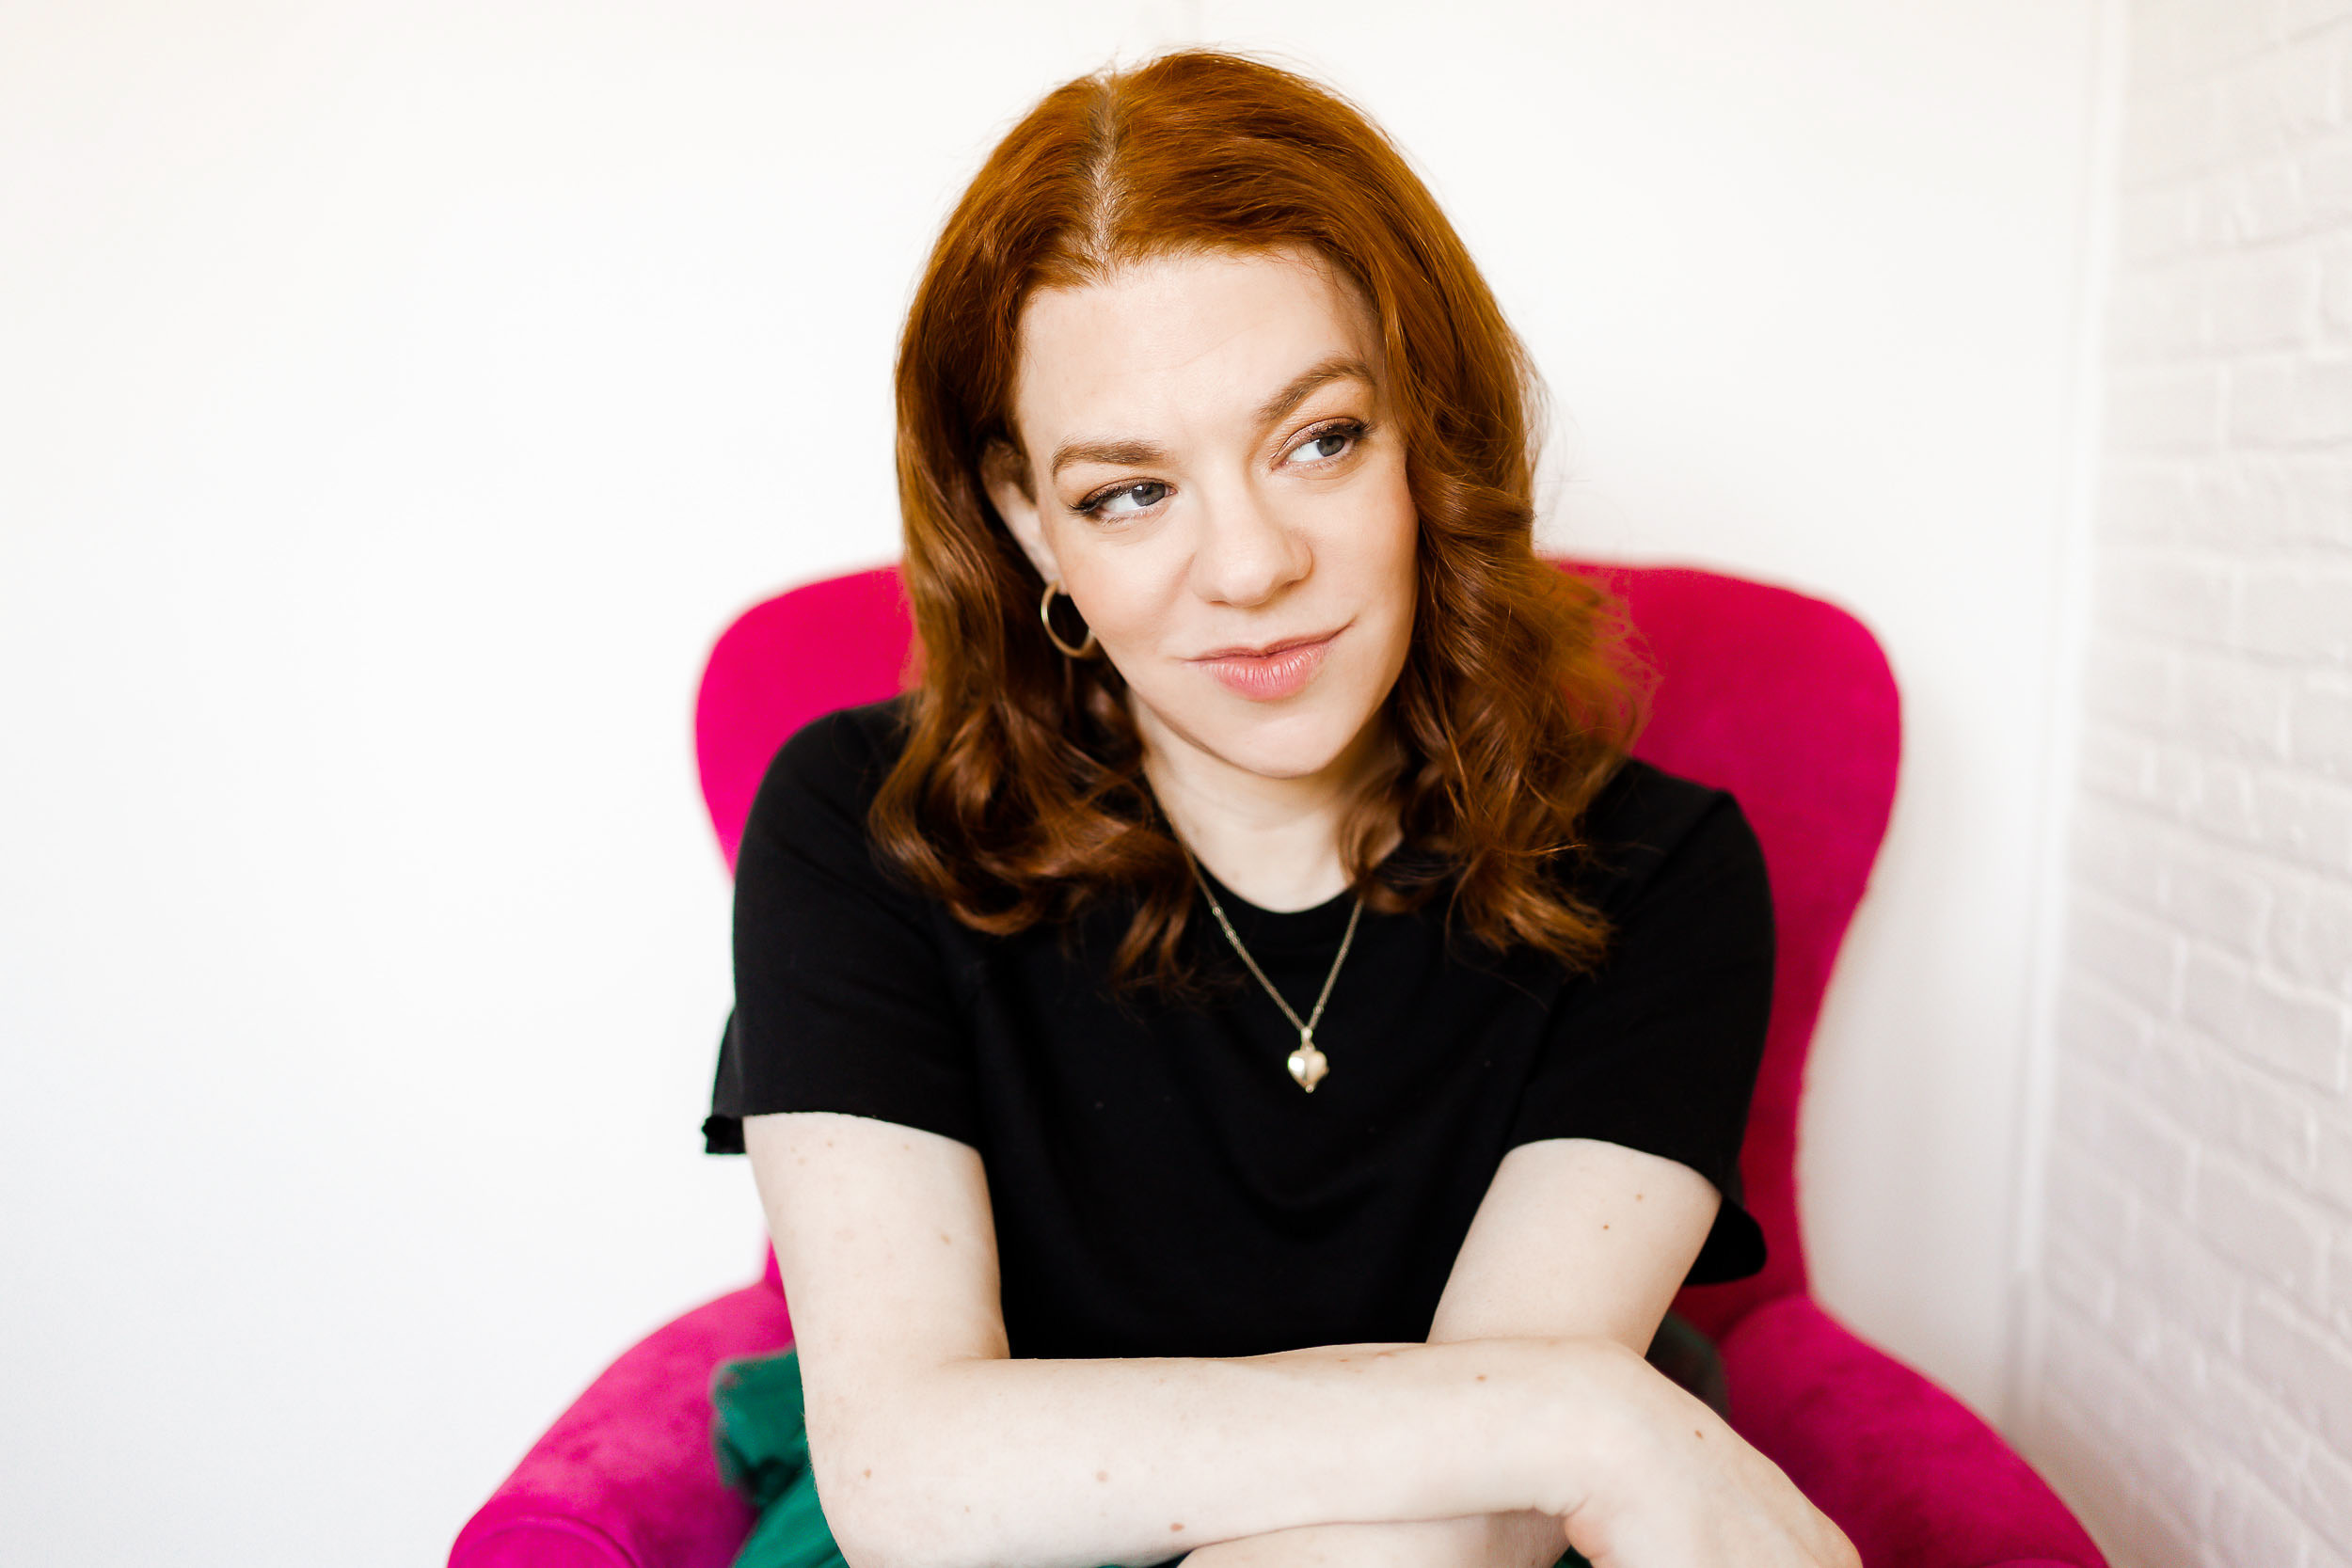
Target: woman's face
x=1216 y=484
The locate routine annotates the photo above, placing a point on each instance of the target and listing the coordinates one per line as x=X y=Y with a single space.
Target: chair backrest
x=1783 y=699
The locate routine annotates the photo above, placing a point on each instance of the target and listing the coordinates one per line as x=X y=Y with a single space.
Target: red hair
x=1019 y=796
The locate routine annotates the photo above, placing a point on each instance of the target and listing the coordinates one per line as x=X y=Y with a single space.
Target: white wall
x=394 y=401
x=2192 y=1311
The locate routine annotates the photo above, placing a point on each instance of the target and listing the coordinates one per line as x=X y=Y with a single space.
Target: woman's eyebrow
x=1143 y=454
x=1340 y=367
x=1119 y=454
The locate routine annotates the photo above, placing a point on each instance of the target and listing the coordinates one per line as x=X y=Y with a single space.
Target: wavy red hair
x=1019 y=798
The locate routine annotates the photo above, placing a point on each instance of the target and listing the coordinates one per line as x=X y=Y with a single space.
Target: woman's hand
x=1431 y=1543
x=1481 y=1541
x=1685 y=1491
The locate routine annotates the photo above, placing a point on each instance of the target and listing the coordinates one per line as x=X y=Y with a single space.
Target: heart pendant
x=1308 y=1065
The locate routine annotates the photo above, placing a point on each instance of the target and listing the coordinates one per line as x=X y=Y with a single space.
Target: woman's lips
x=1282 y=671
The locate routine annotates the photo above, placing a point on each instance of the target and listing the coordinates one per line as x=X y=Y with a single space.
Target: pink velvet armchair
x=1782 y=699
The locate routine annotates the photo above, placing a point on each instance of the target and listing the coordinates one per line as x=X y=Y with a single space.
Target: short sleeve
x=842 y=1001
x=1658 y=1049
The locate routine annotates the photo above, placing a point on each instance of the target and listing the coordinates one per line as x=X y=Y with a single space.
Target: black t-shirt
x=1160 y=1184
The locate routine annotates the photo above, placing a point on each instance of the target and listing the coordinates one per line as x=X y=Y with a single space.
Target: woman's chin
x=1261 y=739
x=1282 y=763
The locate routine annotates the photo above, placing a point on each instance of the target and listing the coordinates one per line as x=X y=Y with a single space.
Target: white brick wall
x=2193 y=1296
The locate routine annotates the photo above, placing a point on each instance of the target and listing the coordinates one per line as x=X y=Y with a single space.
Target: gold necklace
x=1307 y=1064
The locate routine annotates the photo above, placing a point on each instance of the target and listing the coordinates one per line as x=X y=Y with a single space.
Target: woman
x=1239 y=1061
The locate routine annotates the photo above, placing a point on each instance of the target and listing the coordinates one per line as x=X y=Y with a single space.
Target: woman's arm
x=931 y=1450
x=1584 y=1236
x=1579 y=1237
x=1575 y=1237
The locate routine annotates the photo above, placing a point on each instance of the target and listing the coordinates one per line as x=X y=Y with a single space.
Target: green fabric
x=760 y=1428
x=762 y=1435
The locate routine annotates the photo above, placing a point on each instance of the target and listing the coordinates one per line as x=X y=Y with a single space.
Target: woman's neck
x=1274 y=841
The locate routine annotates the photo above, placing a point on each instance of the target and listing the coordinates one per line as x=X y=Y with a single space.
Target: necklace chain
x=1307 y=1064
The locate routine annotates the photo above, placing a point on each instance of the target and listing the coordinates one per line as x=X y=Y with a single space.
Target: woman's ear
x=1005 y=475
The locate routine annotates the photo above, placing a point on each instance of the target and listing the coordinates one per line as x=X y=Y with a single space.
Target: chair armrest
x=1913 y=1478
x=627 y=1478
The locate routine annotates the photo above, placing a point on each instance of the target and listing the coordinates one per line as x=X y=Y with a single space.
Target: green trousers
x=761 y=1430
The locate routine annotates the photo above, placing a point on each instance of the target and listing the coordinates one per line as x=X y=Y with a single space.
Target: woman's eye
x=1127 y=500
x=1324 y=444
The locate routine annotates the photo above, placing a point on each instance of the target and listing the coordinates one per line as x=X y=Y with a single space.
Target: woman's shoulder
x=813 y=800
x=840 y=758
x=1646 y=823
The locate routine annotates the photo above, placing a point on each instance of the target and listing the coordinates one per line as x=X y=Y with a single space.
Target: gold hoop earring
x=1045 y=613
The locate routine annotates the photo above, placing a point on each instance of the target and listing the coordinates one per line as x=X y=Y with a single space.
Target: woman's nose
x=1245 y=555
